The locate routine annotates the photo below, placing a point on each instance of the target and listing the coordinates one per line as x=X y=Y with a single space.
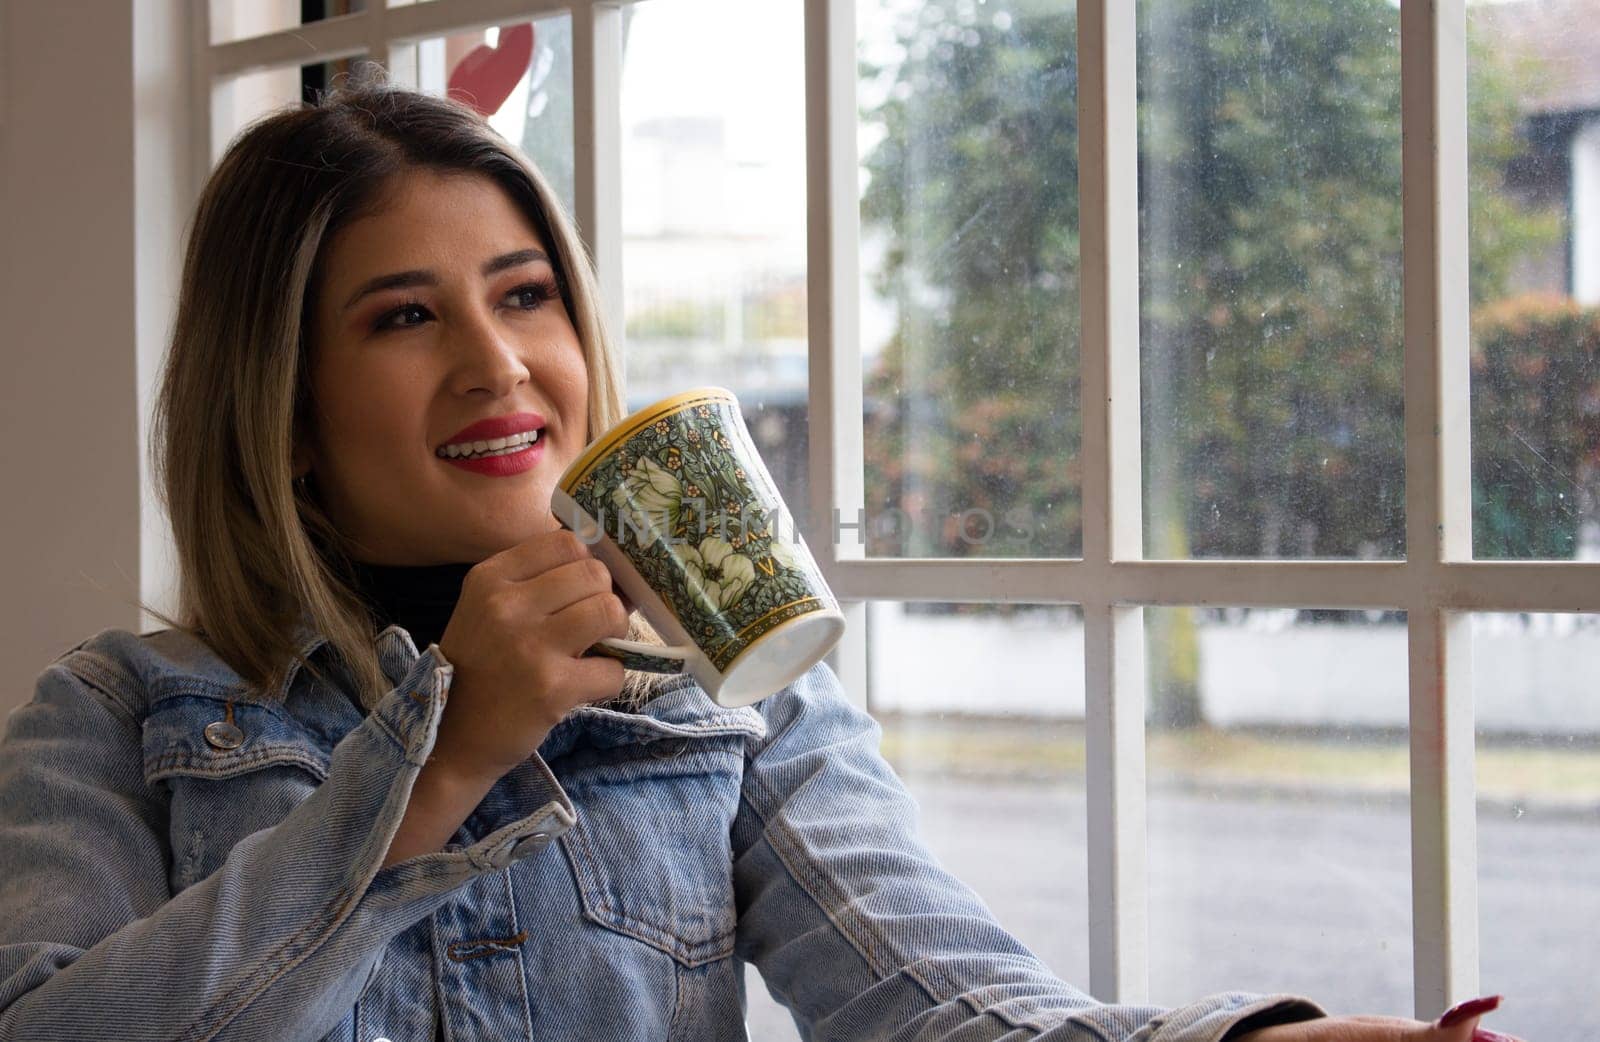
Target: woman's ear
x=303 y=455
x=300 y=462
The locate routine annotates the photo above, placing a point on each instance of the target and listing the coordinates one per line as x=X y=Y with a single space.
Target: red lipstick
x=505 y=464
x=497 y=427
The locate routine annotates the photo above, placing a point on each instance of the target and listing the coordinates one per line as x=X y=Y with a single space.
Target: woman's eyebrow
x=402 y=279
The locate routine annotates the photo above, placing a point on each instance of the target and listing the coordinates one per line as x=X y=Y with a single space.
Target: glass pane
x=238 y=102
x=714 y=216
x=1535 y=279
x=969 y=254
x=991 y=729
x=241 y=19
x=535 y=113
x=1270 y=288
x=1278 y=768
x=1538 y=774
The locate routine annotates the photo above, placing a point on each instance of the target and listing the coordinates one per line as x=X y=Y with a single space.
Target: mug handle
x=637 y=655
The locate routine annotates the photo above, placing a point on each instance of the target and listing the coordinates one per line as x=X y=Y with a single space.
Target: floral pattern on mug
x=689 y=504
x=718 y=574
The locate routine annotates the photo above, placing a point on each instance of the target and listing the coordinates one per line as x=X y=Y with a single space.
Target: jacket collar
x=394 y=647
x=178 y=660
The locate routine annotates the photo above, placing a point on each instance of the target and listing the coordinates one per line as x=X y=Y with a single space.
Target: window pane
x=1278 y=769
x=535 y=115
x=1538 y=776
x=1535 y=279
x=991 y=730
x=240 y=101
x=1270 y=288
x=240 y=19
x=969 y=332
x=714 y=216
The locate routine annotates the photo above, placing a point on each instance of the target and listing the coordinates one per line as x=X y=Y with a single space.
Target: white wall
x=88 y=244
x=1533 y=677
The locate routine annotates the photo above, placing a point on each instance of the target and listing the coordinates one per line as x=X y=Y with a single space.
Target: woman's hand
x=516 y=640
x=1459 y=1024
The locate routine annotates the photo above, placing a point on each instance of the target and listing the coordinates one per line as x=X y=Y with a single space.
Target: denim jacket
x=183 y=858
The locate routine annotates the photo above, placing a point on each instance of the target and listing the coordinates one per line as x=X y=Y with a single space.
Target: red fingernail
x=1470 y=1008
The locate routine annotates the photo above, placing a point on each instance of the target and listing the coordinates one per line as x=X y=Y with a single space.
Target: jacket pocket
x=651 y=850
x=232 y=768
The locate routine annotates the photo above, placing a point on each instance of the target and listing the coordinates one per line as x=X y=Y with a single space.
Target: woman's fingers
x=1347 y=1029
x=1468 y=1010
x=1458 y=1025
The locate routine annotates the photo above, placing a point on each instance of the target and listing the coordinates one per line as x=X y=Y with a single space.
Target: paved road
x=1278 y=895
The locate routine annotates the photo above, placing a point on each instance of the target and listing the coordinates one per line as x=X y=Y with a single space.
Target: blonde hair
x=255 y=550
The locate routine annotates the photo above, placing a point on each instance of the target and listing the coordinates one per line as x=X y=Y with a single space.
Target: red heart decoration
x=485 y=77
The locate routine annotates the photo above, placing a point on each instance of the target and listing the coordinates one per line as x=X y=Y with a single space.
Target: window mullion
x=1112 y=509
x=833 y=239
x=597 y=148
x=1438 y=499
x=1444 y=863
x=1108 y=274
x=833 y=233
x=1113 y=645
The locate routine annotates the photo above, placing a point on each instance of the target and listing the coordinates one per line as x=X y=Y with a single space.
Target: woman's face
x=440 y=311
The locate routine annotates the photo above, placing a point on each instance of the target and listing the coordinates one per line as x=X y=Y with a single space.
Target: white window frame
x=1438 y=584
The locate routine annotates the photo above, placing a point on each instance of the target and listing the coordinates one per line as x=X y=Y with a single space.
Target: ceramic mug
x=677 y=503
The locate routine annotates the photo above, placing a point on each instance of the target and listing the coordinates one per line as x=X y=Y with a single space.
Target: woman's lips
x=503 y=466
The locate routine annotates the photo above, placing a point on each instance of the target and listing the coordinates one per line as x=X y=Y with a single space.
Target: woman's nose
x=486 y=355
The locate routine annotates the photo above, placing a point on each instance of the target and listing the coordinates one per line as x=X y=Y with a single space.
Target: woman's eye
x=529 y=297
x=533 y=296
x=390 y=319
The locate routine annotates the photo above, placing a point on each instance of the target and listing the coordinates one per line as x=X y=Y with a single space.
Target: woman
x=278 y=820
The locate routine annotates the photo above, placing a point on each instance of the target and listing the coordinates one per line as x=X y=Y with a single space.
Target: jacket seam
x=790 y=852
x=525 y=1006
x=390 y=733
x=811 y=879
x=107 y=691
x=678 y=992
x=341 y=905
x=166 y=689
x=770 y=823
x=600 y=911
x=277 y=965
x=334 y=912
x=227 y=767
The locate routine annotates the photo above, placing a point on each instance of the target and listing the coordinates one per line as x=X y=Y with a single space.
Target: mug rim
x=629 y=425
x=827 y=613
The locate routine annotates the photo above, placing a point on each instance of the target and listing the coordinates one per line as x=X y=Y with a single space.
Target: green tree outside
x=1269 y=138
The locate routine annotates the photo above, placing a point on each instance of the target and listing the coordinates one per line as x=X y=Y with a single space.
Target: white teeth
x=492 y=447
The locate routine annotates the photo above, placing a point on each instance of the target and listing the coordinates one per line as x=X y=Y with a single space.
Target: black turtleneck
x=419 y=598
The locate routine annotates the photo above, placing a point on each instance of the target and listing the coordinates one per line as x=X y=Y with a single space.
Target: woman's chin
x=499 y=542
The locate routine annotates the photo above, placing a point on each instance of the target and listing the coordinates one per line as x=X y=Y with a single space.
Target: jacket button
x=223 y=735
x=668 y=750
